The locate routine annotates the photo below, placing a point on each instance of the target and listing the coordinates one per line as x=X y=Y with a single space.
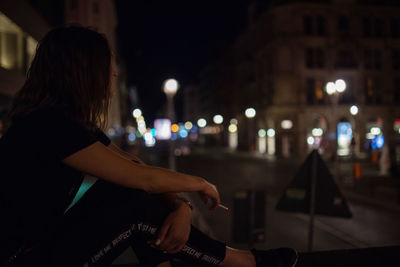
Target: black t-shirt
x=35 y=186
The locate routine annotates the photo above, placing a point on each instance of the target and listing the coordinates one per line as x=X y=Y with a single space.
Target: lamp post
x=334 y=89
x=250 y=113
x=218 y=120
x=170 y=88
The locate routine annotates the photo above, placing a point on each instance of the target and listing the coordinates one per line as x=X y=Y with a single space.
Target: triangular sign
x=328 y=199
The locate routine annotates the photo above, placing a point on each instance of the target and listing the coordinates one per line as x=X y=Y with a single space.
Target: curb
x=368 y=200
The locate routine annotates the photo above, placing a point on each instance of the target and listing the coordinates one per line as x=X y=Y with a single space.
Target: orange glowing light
x=174 y=128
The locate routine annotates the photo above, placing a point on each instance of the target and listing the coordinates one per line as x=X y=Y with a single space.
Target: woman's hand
x=210 y=192
x=174 y=233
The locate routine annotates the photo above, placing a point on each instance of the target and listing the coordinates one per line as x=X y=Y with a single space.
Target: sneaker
x=280 y=257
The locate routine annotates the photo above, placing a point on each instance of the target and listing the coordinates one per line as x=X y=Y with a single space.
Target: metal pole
x=251 y=133
x=312 y=200
x=335 y=108
x=252 y=217
x=171 y=116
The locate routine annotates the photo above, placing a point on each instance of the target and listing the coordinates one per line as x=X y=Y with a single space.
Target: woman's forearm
x=124 y=154
x=103 y=163
x=164 y=181
x=169 y=196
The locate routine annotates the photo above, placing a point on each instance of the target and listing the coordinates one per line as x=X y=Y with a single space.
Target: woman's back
x=35 y=186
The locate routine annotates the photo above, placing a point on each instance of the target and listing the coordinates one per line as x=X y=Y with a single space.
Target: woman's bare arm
x=170 y=197
x=125 y=154
x=102 y=162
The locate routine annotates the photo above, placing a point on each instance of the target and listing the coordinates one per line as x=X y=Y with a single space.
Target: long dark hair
x=70 y=72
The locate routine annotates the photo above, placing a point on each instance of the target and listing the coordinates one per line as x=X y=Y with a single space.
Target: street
x=374 y=223
x=371 y=225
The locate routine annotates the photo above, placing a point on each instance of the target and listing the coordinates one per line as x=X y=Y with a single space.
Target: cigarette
x=223 y=207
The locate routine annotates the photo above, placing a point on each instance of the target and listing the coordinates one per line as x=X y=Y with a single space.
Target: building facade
x=20 y=29
x=282 y=63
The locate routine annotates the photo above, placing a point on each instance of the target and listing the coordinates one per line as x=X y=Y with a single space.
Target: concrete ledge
x=371 y=257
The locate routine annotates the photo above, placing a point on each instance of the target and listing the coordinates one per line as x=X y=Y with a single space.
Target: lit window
x=372 y=92
x=17 y=48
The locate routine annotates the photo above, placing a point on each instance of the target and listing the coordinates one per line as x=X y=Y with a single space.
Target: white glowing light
x=250 y=113
x=286 y=124
x=201 y=122
x=370 y=136
x=375 y=131
x=354 y=110
x=330 y=88
x=136 y=113
x=232 y=128
x=188 y=125
x=271 y=132
x=218 y=119
x=163 y=128
x=149 y=139
x=170 y=86
x=262 y=133
x=343 y=141
x=399 y=130
x=317 y=132
x=340 y=85
x=310 y=140
x=271 y=149
x=262 y=145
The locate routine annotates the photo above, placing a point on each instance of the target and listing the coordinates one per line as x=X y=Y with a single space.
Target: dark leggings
x=109 y=219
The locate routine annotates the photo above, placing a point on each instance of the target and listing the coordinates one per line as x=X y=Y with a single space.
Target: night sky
x=173 y=39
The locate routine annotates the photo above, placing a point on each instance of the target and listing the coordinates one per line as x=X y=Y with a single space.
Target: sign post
x=312 y=201
x=314 y=192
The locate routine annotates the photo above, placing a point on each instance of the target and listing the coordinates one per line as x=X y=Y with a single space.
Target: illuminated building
x=281 y=64
x=20 y=29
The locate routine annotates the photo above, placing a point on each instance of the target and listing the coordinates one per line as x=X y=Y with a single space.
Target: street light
x=334 y=89
x=250 y=113
x=354 y=110
x=170 y=87
x=136 y=113
x=202 y=122
x=218 y=119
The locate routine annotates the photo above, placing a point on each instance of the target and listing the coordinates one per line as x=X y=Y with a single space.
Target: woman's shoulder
x=42 y=115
